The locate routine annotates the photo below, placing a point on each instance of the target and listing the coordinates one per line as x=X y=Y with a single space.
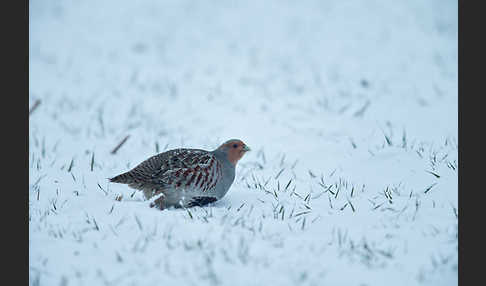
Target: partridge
x=186 y=177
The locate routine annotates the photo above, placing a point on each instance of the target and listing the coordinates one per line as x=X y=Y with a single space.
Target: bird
x=183 y=177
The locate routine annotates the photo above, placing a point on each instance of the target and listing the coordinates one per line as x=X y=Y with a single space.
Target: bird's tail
x=124 y=178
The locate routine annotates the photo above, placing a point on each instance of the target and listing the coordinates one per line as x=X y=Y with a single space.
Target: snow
x=349 y=107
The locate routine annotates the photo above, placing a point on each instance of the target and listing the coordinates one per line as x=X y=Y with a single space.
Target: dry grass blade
x=387 y=138
x=378 y=206
x=34 y=107
x=190 y=214
x=429 y=188
x=311 y=174
x=337 y=192
x=275 y=194
x=71 y=165
x=454 y=210
x=242 y=205
x=92 y=161
x=436 y=175
x=361 y=111
x=352 y=143
x=307 y=198
x=343 y=207
x=288 y=184
x=120 y=144
x=96 y=224
x=332 y=173
x=279 y=173
x=301 y=213
x=101 y=189
x=352 y=207
x=329 y=190
x=404 y=139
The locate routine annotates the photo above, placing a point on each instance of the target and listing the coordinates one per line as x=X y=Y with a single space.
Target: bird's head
x=234 y=149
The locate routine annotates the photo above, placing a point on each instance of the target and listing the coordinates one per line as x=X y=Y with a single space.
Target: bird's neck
x=223 y=157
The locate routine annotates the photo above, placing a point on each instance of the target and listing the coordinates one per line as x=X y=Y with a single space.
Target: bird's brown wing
x=190 y=169
x=173 y=169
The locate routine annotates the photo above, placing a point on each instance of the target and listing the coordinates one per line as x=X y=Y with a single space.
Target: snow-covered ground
x=350 y=108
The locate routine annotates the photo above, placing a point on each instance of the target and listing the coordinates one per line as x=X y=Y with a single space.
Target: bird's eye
x=235 y=145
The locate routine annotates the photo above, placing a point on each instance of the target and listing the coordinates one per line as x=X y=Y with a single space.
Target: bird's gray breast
x=228 y=177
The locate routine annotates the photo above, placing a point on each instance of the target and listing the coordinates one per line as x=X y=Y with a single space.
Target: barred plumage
x=186 y=177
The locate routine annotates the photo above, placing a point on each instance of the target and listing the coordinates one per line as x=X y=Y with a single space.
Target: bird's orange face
x=235 y=149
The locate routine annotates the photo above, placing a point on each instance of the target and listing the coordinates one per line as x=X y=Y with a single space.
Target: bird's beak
x=246 y=148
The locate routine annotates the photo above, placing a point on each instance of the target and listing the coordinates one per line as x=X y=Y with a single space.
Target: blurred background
x=182 y=64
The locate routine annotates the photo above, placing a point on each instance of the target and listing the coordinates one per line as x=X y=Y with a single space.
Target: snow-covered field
x=350 y=108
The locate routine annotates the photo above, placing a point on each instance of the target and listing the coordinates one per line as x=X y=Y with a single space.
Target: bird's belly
x=188 y=197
